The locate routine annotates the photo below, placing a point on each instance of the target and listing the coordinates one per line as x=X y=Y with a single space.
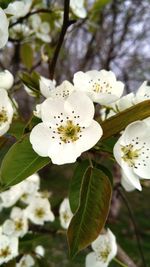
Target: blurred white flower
x=78 y=8
x=17 y=225
x=20 y=31
x=67 y=128
x=40 y=28
x=101 y=86
x=121 y=104
x=105 y=249
x=26 y=261
x=6 y=112
x=65 y=213
x=40 y=251
x=6 y=79
x=143 y=93
x=8 y=248
x=4 y=34
x=19 y=8
x=39 y=211
x=46 y=86
x=132 y=153
x=25 y=191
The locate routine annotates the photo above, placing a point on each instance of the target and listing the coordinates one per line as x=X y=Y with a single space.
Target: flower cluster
x=28 y=206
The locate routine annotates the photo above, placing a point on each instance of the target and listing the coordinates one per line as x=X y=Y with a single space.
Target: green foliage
x=76 y=182
x=121 y=120
x=31 y=81
x=17 y=129
x=26 y=53
x=19 y=163
x=92 y=211
x=4 y=4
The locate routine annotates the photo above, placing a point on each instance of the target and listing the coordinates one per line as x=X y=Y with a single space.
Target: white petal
x=82 y=106
x=90 y=136
x=46 y=86
x=40 y=138
x=6 y=79
x=3 y=29
x=91 y=261
x=134 y=130
x=131 y=177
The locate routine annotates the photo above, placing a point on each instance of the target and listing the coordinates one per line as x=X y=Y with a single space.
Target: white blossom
x=40 y=251
x=143 y=93
x=41 y=28
x=132 y=153
x=39 y=211
x=78 y=8
x=26 y=261
x=3 y=29
x=6 y=79
x=19 y=8
x=8 y=248
x=105 y=249
x=17 y=225
x=6 y=112
x=126 y=183
x=101 y=86
x=65 y=213
x=67 y=128
x=46 y=86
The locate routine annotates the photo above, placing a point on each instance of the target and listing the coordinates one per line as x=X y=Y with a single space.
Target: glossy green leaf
x=20 y=162
x=120 y=121
x=92 y=212
x=17 y=129
x=75 y=185
x=26 y=53
x=31 y=81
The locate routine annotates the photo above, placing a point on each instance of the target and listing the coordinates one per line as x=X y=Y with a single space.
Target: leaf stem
x=120 y=263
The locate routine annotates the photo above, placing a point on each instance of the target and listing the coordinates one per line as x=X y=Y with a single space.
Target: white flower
x=101 y=86
x=65 y=213
x=6 y=79
x=26 y=261
x=121 y=104
x=8 y=248
x=17 y=225
x=41 y=28
x=126 y=183
x=19 y=8
x=40 y=251
x=24 y=190
x=29 y=188
x=6 y=112
x=78 y=8
x=105 y=249
x=48 y=89
x=67 y=130
x=20 y=31
x=132 y=152
x=39 y=211
x=46 y=86
x=3 y=29
x=143 y=93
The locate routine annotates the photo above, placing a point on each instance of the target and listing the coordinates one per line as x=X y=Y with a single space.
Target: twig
x=65 y=26
x=134 y=224
x=123 y=257
x=42 y=10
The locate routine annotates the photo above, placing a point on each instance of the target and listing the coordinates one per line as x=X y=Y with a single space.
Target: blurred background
x=114 y=35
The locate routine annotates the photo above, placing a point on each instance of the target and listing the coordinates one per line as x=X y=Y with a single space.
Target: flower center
x=100 y=86
x=18 y=225
x=130 y=155
x=69 y=132
x=39 y=212
x=66 y=216
x=5 y=252
x=104 y=253
x=3 y=116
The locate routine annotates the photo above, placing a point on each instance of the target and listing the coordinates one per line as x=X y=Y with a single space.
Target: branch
x=42 y=10
x=65 y=26
x=123 y=257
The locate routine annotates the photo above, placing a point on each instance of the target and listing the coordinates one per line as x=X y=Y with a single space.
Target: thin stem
x=66 y=24
x=120 y=263
x=123 y=196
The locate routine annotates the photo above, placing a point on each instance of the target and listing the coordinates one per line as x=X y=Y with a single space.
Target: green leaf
x=92 y=212
x=26 y=54
x=20 y=162
x=31 y=81
x=75 y=185
x=104 y=170
x=17 y=129
x=119 y=122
